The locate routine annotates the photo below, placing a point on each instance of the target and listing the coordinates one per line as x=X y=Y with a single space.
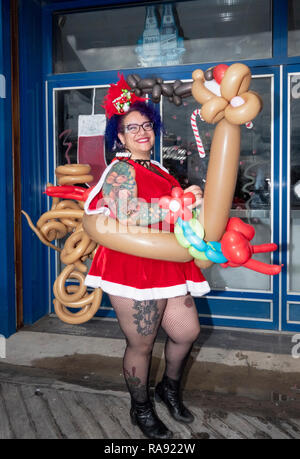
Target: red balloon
x=219 y=72
x=177 y=192
x=238 y=225
x=188 y=198
x=68 y=192
x=236 y=248
x=164 y=202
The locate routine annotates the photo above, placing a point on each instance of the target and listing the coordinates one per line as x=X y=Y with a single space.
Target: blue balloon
x=212 y=250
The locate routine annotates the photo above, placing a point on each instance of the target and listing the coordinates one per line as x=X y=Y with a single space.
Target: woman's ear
x=121 y=137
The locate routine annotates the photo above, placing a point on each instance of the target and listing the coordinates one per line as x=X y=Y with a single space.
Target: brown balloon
x=236 y=81
x=134 y=240
x=245 y=112
x=220 y=182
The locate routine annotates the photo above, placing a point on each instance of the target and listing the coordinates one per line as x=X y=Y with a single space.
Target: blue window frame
x=272 y=309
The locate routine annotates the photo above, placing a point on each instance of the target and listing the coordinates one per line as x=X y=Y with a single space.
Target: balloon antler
x=236 y=247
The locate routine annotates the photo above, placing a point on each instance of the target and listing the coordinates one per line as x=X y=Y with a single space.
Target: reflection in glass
x=79 y=134
x=252 y=199
x=294 y=236
x=293 y=28
x=79 y=128
x=184 y=32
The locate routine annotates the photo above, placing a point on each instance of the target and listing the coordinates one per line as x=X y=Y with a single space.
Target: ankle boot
x=144 y=416
x=168 y=392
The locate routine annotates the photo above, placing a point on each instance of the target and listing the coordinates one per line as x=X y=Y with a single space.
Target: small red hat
x=119 y=98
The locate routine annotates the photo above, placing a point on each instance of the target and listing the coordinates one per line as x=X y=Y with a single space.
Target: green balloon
x=197 y=254
x=180 y=237
x=197 y=227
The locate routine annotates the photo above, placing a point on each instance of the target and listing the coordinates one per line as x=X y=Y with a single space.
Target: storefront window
x=252 y=199
x=294 y=236
x=293 y=28
x=184 y=32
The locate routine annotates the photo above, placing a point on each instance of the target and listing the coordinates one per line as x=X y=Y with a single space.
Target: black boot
x=168 y=392
x=144 y=416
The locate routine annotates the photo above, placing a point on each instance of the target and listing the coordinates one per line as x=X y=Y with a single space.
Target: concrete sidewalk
x=61 y=381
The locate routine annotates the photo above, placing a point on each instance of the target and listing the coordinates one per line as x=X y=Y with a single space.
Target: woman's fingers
x=196 y=190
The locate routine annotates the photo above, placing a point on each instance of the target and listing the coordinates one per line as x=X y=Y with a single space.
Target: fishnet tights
x=139 y=321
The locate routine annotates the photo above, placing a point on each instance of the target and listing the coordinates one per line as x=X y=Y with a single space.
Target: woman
x=146 y=293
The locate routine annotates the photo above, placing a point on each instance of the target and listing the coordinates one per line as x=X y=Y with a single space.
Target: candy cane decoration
x=196 y=132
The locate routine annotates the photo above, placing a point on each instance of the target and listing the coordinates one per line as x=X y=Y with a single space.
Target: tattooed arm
x=120 y=193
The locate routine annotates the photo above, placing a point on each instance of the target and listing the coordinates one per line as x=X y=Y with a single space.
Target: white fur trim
x=159 y=165
x=156 y=293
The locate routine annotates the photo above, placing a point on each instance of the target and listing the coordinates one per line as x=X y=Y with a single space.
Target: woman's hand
x=196 y=190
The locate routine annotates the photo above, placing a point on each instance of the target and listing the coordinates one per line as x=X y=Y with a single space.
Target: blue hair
x=114 y=124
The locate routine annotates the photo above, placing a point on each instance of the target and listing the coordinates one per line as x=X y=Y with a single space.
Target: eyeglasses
x=135 y=128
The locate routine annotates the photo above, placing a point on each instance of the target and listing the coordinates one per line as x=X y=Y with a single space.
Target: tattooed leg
x=139 y=321
x=147 y=316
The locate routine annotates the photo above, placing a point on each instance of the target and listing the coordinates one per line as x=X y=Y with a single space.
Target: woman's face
x=141 y=142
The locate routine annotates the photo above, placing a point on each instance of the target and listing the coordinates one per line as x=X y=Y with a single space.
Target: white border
x=280 y=195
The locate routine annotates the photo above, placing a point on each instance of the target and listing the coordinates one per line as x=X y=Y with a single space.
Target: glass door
x=291 y=202
x=239 y=296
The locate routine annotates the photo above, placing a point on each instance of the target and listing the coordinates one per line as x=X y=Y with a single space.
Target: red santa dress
x=141 y=278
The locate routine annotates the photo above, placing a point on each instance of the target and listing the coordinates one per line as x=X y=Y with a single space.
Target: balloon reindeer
x=225 y=99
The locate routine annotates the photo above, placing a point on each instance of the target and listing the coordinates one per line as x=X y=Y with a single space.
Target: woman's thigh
x=139 y=320
x=180 y=319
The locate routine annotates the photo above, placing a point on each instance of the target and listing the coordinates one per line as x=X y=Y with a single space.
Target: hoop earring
x=124 y=153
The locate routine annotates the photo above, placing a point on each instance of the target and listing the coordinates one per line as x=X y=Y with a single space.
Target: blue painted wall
x=7 y=274
x=33 y=159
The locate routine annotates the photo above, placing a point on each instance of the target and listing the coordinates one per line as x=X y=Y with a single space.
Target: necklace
x=143 y=162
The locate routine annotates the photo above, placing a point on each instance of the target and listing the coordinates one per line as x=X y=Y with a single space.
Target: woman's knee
x=194 y=333
x=140 y=348
x=184 y=335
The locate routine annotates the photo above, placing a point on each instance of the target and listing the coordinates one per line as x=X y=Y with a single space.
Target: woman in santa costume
x=145 y=293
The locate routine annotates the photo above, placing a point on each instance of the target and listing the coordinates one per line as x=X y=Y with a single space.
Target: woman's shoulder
x=121 y=166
